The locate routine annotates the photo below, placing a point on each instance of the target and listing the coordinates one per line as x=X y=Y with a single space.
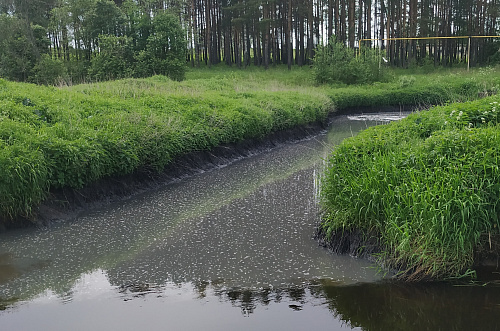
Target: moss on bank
x=70 y=137
x=428 y=185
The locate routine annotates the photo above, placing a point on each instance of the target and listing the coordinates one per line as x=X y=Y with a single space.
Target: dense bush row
x=97 y=42
x=428 y=185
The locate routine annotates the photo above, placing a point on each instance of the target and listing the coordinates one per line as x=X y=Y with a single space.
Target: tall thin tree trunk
x=343 y=25
x=266 y=37
x=301 y=47
x=331 y=7
x=289 y=36
x=208 y=35
x=351 y=23
x=368 y=11
x=247 y=50
x=310 y=36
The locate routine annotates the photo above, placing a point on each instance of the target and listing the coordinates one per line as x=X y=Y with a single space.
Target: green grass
x=71 y=136
x=428 y=185
x=255 y=77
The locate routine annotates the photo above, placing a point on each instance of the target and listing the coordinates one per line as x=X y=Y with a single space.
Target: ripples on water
x=207 y=251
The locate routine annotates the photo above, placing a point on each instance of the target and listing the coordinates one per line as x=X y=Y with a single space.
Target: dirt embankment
x=67 y=203
x=352 y=242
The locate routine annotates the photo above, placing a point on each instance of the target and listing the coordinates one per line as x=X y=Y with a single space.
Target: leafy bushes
x=21 y=45
x=163 y=54
x=335 y=63
x=49 y=71
x=113 y=43
x=113 y=61
x=406 y=81
x=166 y=47
x=428 y=184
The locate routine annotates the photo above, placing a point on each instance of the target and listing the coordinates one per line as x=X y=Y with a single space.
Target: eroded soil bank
x=358 y=244
x=65 y=204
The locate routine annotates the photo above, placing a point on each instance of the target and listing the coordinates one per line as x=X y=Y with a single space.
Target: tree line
x=104 y=39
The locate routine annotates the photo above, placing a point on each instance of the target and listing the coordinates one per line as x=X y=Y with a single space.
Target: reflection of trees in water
x=386 y=306
x=244 y=299
x=371 y=306
x=248 y=300
x=393 y=306
x=138 y=290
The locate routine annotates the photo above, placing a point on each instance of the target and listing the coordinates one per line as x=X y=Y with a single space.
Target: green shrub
x=113 y=60
x=335 y=63
x=406 y=81
x=49 y=71
x=166 y=47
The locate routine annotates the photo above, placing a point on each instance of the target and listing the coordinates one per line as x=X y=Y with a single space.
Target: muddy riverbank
x=64 y=204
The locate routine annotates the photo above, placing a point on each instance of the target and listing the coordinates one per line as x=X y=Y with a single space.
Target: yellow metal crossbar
x=433 y=38
x=426 y=38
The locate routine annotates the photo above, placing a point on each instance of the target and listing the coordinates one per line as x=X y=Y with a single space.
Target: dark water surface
x=230 y=249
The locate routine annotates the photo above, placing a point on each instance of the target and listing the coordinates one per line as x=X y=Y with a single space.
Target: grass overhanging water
x=427 y=185
x=395 y=179
x=72 y=136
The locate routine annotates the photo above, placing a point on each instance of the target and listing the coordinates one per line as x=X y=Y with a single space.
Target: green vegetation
x=334 y=63
x=69 y=137
x=109 y=42
x=428 y=185
x=241 y=33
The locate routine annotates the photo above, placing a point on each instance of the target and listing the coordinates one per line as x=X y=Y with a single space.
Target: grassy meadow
x=429 y=174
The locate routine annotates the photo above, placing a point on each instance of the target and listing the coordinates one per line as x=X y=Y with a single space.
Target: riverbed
x=226 y=249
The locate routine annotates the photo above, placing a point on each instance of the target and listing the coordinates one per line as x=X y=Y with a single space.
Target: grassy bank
x=68 y=137
x=72 y=136
x=428 y=186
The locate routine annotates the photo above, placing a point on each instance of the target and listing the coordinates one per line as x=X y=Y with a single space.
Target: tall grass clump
x=428 y=185
x=23 y=182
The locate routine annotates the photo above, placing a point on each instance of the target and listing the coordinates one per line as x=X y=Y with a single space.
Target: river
x=227 y=249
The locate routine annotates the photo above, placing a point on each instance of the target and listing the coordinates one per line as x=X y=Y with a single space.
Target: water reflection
x=390 y=306
x=374 y=306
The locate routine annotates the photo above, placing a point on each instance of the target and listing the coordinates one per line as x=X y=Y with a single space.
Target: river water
x=228 y=249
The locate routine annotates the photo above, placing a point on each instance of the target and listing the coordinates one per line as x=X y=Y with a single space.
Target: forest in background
x=69 y=41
